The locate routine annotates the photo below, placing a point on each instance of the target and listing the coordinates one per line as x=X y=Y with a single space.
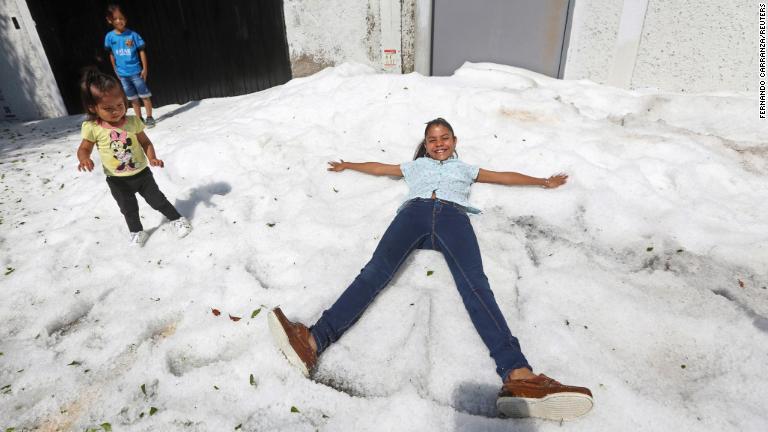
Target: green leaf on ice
x=107 y=427
x=144 y=389
x=152 y=411
x=74 y=363
x=255 y=312
x=294 y=409
x=9 y=270
x=252 y=380
x=430 y=272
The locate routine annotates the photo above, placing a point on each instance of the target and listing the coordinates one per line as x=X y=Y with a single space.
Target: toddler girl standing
x=125 y=151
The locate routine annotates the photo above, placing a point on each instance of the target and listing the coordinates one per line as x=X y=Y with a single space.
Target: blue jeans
x=135 y=87
x=442 y=226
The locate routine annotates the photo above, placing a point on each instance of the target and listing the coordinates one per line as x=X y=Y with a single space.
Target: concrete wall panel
x=698 y=46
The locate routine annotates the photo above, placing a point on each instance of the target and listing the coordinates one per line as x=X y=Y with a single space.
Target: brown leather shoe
x=292 y=340
x=543 y=397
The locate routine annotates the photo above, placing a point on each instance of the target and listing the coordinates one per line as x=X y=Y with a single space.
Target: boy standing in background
x=129 y=60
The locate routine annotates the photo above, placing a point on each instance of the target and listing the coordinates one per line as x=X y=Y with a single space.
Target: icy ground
x=644 y=278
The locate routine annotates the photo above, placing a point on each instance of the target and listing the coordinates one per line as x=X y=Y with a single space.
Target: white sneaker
x=181 y=227
x=138 y=238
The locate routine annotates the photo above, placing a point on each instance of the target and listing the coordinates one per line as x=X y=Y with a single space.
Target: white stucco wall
x=594 y=27
x=324 y=33
x=422 y=42
x=379 y=33
x=698 y=45
x=28 y=90
x=684 y=46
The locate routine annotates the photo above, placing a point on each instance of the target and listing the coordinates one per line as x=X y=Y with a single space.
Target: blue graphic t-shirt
x=125 y=47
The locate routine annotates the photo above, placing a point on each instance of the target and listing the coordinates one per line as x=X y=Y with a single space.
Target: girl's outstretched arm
x=517 y=179
x=374 y=168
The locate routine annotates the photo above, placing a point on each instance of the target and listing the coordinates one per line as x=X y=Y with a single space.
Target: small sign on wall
x=390 y=36
x=391 y=60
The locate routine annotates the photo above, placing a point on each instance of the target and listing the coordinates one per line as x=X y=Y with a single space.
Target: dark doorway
x=196 y=49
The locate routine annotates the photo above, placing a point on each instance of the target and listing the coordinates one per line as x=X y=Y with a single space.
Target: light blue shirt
x=450 y=180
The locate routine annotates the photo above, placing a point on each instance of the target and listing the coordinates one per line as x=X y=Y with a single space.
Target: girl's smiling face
x=440 y=142
x=110 y=106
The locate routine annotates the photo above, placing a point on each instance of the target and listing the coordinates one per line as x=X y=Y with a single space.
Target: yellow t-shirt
x=120 y=152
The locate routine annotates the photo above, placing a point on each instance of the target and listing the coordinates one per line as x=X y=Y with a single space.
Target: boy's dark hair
x=111 y=9
x=421 y=150
x=93 y=78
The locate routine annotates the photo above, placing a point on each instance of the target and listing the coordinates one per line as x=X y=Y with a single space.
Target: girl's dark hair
x=111 y=9
x=93 y=79
x=421 y=150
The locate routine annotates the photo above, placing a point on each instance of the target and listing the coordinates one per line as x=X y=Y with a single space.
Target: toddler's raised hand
x=85 y=165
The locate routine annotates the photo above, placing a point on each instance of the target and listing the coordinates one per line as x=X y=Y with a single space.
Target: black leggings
x=124 y=191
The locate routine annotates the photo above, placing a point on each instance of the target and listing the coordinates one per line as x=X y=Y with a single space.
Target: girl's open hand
x=337 y=166
x=556 y=180
x=85 y=165
x=157 y=162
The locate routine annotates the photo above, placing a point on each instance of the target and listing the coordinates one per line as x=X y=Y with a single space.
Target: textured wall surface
x=324 y=33
x=27 y=88
x=408 y=34
x=685 y=46
x=698 y=45
x=594 y=26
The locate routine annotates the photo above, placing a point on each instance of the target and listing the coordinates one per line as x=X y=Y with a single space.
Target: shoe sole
x=284 y=345
x=558 y=406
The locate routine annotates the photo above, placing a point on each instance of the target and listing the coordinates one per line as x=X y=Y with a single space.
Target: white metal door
x=525 y=33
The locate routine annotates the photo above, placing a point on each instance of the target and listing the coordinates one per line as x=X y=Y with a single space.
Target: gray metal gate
x=524 y=33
